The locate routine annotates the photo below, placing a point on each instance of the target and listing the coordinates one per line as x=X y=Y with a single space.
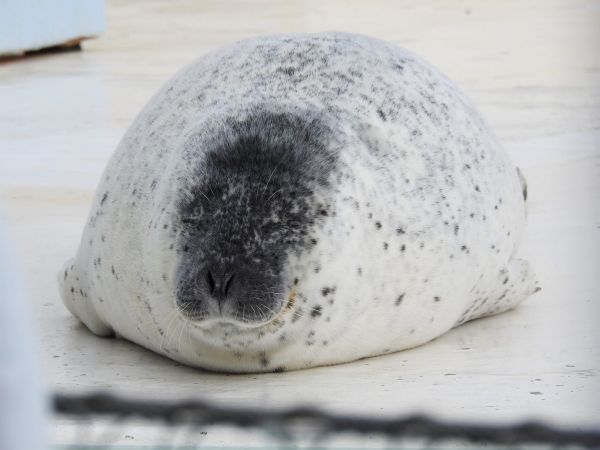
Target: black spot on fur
x=382 y=115
x=264 y=362
x=316 y=311
x=378 y=225
x=399 y=299
x=287 y=70
x=104 y=197
x=297 y=315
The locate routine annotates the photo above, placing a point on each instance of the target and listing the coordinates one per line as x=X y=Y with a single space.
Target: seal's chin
x=225 y=323
x=209 y=322
x=247 y=317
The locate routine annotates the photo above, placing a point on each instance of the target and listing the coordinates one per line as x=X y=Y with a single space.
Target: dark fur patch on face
x=251 y=201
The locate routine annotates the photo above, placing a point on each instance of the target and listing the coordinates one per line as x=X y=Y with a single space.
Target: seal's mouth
x=228 y=318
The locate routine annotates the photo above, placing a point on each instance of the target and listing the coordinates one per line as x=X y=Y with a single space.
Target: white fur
x=402 y=132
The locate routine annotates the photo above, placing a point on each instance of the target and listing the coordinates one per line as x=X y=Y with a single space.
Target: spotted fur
x=299 y=200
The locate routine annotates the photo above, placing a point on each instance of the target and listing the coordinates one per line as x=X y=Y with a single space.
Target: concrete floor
x=532 y=69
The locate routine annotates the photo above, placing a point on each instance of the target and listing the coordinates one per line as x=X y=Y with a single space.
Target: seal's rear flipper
x=523 y=183
x=514 y=284
x=75 y=298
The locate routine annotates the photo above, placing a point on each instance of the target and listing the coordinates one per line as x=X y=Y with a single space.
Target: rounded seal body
x=300 y=200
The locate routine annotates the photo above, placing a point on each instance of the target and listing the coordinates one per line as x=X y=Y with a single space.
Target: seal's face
x=253 y=201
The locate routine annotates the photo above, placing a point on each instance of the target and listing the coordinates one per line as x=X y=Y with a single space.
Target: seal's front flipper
x=75 y=297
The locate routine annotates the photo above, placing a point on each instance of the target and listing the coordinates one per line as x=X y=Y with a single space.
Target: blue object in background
x=36 y=24
x=23 y=404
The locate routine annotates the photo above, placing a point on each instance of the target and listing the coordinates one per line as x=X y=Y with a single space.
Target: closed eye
x=190 y=220
x=292 y=223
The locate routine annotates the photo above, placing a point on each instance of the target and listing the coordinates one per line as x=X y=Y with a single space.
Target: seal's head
x=254 y=199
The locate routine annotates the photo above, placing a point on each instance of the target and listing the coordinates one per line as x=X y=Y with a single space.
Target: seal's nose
x=230 y=290
x=219 y=282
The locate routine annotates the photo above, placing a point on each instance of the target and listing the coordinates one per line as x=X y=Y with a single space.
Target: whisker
x=276 y=192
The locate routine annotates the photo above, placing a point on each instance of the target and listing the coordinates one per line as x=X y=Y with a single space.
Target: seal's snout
x=230 y=292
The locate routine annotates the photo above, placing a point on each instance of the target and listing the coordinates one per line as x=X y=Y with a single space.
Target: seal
x=299 y=200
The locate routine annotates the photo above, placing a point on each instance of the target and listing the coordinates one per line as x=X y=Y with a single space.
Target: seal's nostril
x=219 y=282
x=210 y=281
x=228 y=281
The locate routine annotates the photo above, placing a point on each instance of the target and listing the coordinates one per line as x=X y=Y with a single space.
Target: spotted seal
x=299 y=200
